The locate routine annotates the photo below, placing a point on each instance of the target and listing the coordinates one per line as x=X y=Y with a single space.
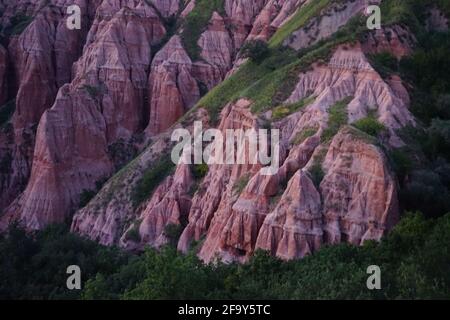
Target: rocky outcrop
x=294 y=228
x=396 y=40
x=175 y=82
x=217 y=46
x=349 y=74
x=63 y=164
x=43 y=52
x=272 y=16
x=359 y=191
x=172 y=88
x=211 y=205
x=236 y=210
x=242 y=13
x=357 y=201
x=103 y=103
x=112 y=213
x=326 y=23
x=169 y=205
x=239 y=224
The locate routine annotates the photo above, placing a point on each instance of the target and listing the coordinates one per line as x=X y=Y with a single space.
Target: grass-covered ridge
x=303 y=15
x=269 y=83
x=151 y=178
x=337 y=117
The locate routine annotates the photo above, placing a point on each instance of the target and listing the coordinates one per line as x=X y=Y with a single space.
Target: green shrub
x=18 y=23
x=280 y=112
x=317 y=173
x=384 y=63
x=6 y=111
x=401 y=162
x=428 y=68
x=337 y=117
x=133 y=234
x=425 y=190
x=173 y=232
x=85 y=197
x=33 y=265
x=92 y=90
x=241 y=183
x=369 y=125
x=287 y=109
x=151 y=179
x=199 y=171
x=256 y=50
x=303 y=135
x=414 y=259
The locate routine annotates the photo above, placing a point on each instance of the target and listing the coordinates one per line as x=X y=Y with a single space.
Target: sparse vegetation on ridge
x=369 y=125
x=303 y=15
x=196 y=22
x=303 y=135
x=337 y=117
x=270 y=82
x=151 y=179
x=285 y=110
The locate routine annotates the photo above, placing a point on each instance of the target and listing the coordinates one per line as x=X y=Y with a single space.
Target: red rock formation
x=172 y=88
x=217 y=45
x=111 y=213
x=272 y=16
x=211 y=205
x=359 y=191
x=84 y=112
x=349 y=74
x=119 y=88
x=43 y=56
x=169 y=205
x=396 y=40
x=64 y=164
x=242 y=14
x=294 y=228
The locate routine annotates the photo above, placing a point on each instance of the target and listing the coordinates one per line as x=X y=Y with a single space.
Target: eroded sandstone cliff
x=87 y=101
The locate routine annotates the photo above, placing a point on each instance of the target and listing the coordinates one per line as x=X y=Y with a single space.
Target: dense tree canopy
x=413 y=258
